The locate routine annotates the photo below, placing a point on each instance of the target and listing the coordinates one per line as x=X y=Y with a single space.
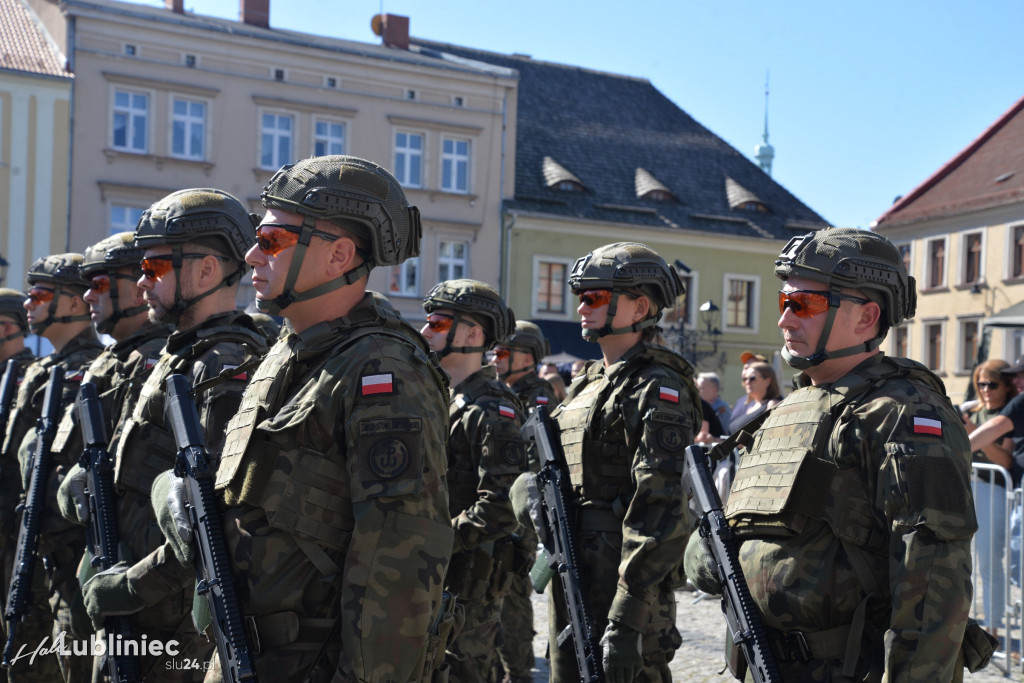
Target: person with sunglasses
x=623 y=427
x=465 y=318
x=853 y=500
x=55 y=310
x=191 y=245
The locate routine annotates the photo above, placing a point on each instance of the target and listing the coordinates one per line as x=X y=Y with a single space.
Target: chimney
x=395 y=31
x=255 y=12
x=176 y=6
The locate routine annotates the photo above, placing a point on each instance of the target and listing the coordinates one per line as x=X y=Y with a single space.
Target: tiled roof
x=23 y=46
x=987 y=173
x=604 y=127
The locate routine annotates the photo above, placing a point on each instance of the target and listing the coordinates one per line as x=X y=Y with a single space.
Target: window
x=410 y=94
x=936 y=276
x=329 y=138
x=124 y=218
x=278 y=74
x=905 y=254
x=451 y=260
x=552 y=288
x=681 y=314
x=276 y=140
x=129 y=50
x=190 y=61
x=1017 y=252
x=933 y=346
x=404 y=279
x=458 y=101
x=900 y=341
x=188 y=129
x=131 y=120
x=739 y=307
x=968 y=344
x=455 y=165
x=409 y=159
x=971 y=271
x=331 y=82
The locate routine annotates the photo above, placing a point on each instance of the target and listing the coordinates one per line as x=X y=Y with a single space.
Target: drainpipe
x=503 y=247
x=70 y=67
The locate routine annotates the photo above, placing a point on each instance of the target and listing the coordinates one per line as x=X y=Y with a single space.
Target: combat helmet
x=625 y=267
x=204 y=216
x=12 y=306
x=112 y=256
x=527 y=336
x=63 y=272
x=853 y=259
x=357 y=195
x=474 y=298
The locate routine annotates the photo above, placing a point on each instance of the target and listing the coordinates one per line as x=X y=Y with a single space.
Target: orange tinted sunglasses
x=596 y=298
x=439 y=322
x=273 y=238
x=807 y=303
x=502 y=352
x=156 y=267
x=100 y=284
x=40 y=295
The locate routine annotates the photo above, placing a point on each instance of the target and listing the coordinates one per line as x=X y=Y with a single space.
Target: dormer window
x=743 y=199
x=752 y=206
x=659 y=196
x=567 y=186
x=649 y=187
x=558 y=177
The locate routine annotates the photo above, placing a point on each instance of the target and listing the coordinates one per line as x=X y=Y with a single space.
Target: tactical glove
x=525 y=497
x=71 y=497
x=168 y=498
x=700 y=565
x=621 y=653
x=109 y=593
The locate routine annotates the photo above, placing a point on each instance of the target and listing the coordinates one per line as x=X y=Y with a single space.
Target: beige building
x=35 y=97
x=962 y=235
x=166 y=99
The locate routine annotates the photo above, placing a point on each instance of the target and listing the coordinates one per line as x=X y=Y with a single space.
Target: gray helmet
x=857 y=259
x=528 y=337
x=358 y=195
x=110 y=253
x=202 y=216
x=59 y=269
x=475 y=298
x=12 y=306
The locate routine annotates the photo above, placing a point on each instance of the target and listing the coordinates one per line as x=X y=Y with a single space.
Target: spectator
x=554 y=378
x=762 y=393
x=746 y=358
x=577 y=367
x=708 y=384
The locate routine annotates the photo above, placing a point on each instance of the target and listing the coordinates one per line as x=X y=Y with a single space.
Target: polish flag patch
x=244 y=375
x=377 y=384
x=668 y=394
x=506 y=411
x=150 y=363
x=75 y=376
x=924 y=425
x=542 y=400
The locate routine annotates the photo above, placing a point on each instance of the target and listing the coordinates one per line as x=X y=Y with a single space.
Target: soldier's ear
x=869 y=317
x=343 y=255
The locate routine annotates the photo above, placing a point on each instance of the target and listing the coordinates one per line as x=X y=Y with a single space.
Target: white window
x=124 y=218
x=905 y=253
x=329 y=138
x=741 y=296
x=276 y=140
x=409 y=159
x=933 y=345
x=968 y=339
x=188 y=129
x=936 y=255
x=455 y=165
x=900 y=341
x=404 y=279
x=1015 y=252
x=552 y=289
x=452 y=260
x=972 y=262
x=131 y=121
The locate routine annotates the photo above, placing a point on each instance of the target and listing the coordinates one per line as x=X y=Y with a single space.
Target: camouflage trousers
x=599 y=557
x=516 y=652
x=35 y=631
x=472 y=656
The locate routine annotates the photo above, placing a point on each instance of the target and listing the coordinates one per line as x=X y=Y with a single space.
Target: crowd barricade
x=997 y=573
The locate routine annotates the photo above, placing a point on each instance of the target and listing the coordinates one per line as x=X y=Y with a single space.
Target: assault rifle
x=741 y=614
x=213 y=564
x=554 y=527
x=20 y=592
x=8 y=388
x=101 y=535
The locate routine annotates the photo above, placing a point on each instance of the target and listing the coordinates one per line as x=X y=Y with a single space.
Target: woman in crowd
x=762 y=393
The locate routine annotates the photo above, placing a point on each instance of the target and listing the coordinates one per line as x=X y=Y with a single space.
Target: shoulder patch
x=244 y=375
x=506 y=411
x=76 y=376
x=668 y=394
x=377 y=384
x=542 y=400
x=151 y=363
x=925 y=425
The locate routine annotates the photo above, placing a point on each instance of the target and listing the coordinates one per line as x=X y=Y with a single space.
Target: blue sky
x=868 y=98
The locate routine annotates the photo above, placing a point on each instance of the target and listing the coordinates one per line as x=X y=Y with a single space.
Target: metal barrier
x=997 y=593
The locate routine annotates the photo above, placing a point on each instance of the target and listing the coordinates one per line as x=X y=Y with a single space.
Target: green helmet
x=107 y=256
x=63 y=272
x=528 y=337
x=12 y=306
x=855 y=259
x=358 y=195
x=621 y=267
x=477 y=299
x=204 y=216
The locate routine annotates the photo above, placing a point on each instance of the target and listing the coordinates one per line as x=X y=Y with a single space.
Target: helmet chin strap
x=820 y=355
x=450 y=337
x=606 y=329
x=51 y=313
x=181 y=304
x=290 y=295
x=107 y=325
x=14 y=335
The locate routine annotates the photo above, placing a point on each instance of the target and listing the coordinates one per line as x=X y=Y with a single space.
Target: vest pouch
x=447 y=625
x=503 y=572
x=978 y=646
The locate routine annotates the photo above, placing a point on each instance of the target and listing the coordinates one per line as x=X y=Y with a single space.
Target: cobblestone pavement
x=700 y=658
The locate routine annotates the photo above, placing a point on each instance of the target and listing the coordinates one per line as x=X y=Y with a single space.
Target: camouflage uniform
x=623 y=429
x=534 y=390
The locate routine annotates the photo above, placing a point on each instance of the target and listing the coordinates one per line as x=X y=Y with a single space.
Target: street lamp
x=707 y=334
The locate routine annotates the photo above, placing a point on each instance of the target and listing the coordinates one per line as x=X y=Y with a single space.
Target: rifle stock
x=741 y=615
x=102 y=536
x=213 y=565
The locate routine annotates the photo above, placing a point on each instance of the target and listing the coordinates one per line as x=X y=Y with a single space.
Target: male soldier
x=13 y=328
x=194 y=242
x=854 y=500
x=515 y=359
x=117 y=308
x=485 y=455
x=58 y=313
x=333 y=468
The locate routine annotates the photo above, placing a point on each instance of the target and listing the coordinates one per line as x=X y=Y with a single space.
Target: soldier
x=332 y=474
x=13 y=328
x=194 y=242
x=515 y=359
x=623 y=427
x=853 y=500
x=485 y=455
x=58 y=313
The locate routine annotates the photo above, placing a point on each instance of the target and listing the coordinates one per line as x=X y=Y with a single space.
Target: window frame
x=926 y=342
x=126 y=225
x=535 y=289
x=894 y=347
x=400 y=271
x=963 y=367
x=929 y=266
x=908 y=260
x=330 y=121
x=753 y=308
x=691 y=283
x=1013 y=251
x=448 y=179
x=964 y=256
x=451 y=261
x=129 y=134
x=280 y=114
x=401 y=176
x=173 y=118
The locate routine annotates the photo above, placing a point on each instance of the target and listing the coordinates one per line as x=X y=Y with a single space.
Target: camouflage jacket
x=623 y=429
x=858 y=500
x=534 y=390
x=485 y=455
x=336 y=510
x=10 y=486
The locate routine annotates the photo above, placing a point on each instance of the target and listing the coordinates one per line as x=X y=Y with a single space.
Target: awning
x=1008 y=317
x=565 y=338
